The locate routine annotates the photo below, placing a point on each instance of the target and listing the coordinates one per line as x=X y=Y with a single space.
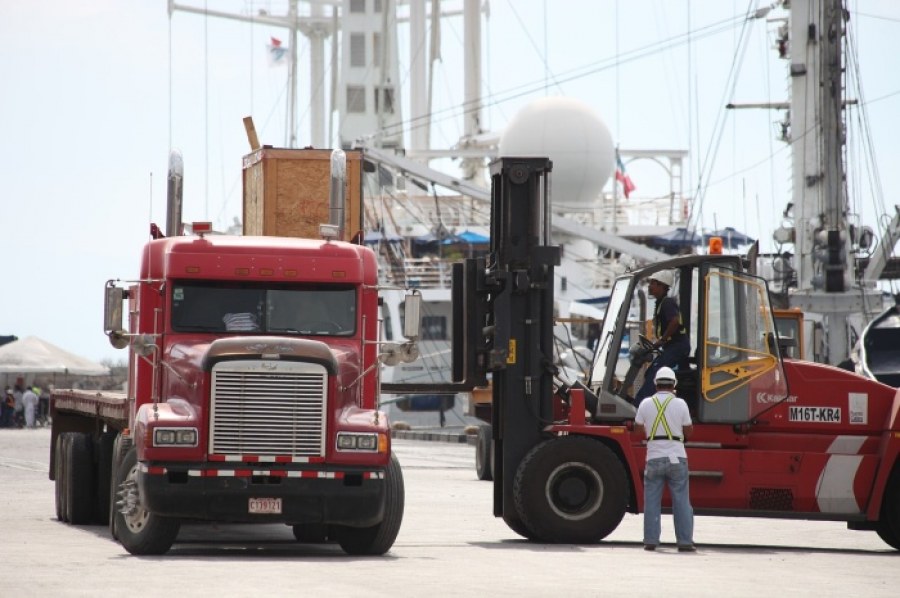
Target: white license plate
x=265 y=506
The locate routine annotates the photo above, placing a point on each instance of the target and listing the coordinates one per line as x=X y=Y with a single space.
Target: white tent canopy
x=32 y=355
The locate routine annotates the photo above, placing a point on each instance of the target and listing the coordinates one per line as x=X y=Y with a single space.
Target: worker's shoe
x=650 y=547
x=687 y=548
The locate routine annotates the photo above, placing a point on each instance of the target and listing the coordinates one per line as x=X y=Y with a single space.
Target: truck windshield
x=276 y=309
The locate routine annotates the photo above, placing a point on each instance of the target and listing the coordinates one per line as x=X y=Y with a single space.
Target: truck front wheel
x=571 y=490
x=140 y=531
x=378 y=539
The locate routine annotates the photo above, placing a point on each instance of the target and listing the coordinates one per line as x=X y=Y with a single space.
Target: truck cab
x=252 y=397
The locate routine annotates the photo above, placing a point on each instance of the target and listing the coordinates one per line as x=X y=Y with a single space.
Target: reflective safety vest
x=661 y=419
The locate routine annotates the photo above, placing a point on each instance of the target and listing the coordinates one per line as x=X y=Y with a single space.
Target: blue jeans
x=670 y=356
x=658 y=473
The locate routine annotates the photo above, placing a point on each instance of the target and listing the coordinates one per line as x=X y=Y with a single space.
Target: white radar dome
x=571 y=134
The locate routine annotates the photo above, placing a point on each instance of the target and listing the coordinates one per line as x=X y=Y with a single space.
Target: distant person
x=668 y=326
x=667 y=425
x=593 y=335
x=7 y=409
x=44 y=411
x=30 y=402
x=19 y=414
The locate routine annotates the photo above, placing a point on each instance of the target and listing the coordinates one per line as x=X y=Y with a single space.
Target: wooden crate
x=286 y=192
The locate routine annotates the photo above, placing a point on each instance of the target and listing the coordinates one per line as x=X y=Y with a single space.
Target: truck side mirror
x=412 y=309
x=112 y=315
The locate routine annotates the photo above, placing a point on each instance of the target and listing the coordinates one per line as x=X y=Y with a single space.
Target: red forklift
x=773 y=436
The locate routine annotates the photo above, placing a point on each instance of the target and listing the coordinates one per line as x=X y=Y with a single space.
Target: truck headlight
x=175 y=437
x=355 y=441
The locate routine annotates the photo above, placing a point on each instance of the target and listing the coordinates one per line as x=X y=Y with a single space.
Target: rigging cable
x=528 y=88
x=719 y=125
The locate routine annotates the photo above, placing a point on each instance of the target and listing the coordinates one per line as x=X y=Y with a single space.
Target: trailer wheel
x=379 y=538
x=571 y=490
x=79 y=479
x=59 y=477
x=888 y=526
x=484 y=463
x=140 y=531
x=104 y=452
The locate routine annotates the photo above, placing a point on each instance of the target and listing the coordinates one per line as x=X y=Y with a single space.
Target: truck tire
x=517 y=525
x=121 y=446
x=59 y=477
x=138 y=530
x=79 y=479
x=379 y=538
x=103 y=450
x=484 y=463
x=888 y=526
x=571 y=490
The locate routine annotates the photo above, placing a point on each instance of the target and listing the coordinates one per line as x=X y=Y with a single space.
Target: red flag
x=623 y=178
x=277 y=52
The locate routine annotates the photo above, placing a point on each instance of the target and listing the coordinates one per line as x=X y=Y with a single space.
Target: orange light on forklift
x=715 y=246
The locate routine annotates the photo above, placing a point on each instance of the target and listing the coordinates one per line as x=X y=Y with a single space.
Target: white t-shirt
x=677 y=416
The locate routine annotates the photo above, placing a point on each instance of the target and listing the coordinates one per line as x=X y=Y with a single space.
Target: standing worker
x=671 y=336
x=667 y=424
x=30 y=401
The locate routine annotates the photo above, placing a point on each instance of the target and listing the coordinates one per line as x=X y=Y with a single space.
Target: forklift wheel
x=484 y=463
x=888 y=526
x=571 y=490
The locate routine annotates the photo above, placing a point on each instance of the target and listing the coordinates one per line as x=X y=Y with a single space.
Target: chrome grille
x=268 y=408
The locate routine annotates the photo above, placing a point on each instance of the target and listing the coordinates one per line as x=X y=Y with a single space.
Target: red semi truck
x=252 y=397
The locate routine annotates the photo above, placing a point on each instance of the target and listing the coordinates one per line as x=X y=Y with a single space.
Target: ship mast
x=824 y=262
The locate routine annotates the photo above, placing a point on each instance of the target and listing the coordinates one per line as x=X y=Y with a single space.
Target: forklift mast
x=513 y=299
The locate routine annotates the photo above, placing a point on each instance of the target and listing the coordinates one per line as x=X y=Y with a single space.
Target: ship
x=420 y=218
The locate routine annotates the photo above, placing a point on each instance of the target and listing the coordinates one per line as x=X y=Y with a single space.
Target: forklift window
x=741 y=361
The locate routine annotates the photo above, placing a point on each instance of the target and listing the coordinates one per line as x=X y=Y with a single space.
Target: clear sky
x=93 y=94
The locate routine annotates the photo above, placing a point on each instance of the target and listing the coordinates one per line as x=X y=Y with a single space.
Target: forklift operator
x=671 y=336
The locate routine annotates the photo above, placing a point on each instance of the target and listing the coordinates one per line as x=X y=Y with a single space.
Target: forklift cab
x=734 y=370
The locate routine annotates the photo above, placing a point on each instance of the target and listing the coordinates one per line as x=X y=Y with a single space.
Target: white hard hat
x=665 y=375
x=666 y=277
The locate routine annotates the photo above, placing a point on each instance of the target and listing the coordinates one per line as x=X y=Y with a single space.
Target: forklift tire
x=59 y=477
x=79 y=479
x=139 y=531
x=888 y=525
x=571 y=490
x=484 y=463
x=378 y=539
